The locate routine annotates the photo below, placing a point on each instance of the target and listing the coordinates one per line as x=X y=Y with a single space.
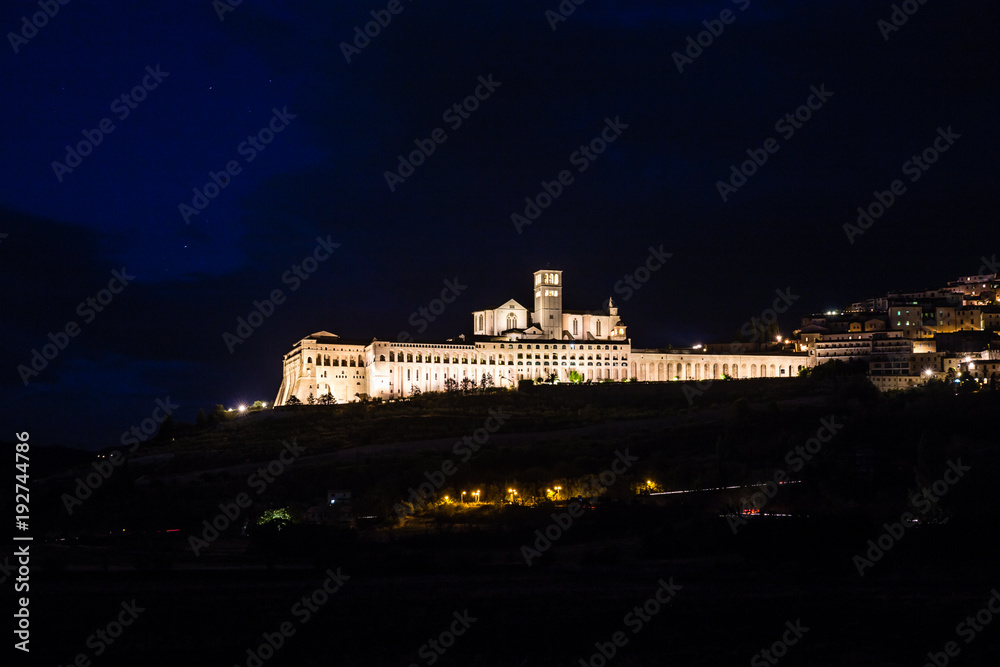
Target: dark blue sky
x=343 y=124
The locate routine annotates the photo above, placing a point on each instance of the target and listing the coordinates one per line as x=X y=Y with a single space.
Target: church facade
x=510 y=344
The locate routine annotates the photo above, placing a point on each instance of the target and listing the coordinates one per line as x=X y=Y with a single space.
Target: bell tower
x=548 y=303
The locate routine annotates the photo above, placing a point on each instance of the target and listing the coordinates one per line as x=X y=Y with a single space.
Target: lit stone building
x=904 y=336
x=511 y=344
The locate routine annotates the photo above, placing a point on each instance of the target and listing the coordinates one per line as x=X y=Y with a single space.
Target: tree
x=327 y=399
x=202 y=418
x=414 y=390
x=257 y=405
x=467 y=385
x=293 y=400
x=575 y=377
x=485 y=382
x=218 y=415
x=450 y=384
x=166 y=428
x=311 y=400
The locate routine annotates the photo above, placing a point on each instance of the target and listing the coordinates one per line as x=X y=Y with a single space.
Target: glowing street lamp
x=242 y=408
x=476 y=494
x=463 y=497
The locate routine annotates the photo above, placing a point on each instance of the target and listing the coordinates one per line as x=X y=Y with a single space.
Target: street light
x=463 y=497
x=476 y=494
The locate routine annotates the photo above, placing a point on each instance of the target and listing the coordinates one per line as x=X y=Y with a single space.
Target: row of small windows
x=324 y=360
x=521 y=355
x=572 y=346
x=572 y=363
x=421 y=358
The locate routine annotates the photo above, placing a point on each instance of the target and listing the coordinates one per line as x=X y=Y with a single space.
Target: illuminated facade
x=511 y=344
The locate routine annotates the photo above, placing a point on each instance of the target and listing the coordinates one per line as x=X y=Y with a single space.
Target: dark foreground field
x=644 y=579
x=725 y=609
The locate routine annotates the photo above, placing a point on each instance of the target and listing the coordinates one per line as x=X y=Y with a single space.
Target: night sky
x=267 y=90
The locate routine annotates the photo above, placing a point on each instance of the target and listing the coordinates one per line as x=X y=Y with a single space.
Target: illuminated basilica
x=510 y=343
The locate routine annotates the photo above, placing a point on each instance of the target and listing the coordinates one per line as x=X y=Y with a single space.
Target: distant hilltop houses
x=510 y=344
x=906 y=338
